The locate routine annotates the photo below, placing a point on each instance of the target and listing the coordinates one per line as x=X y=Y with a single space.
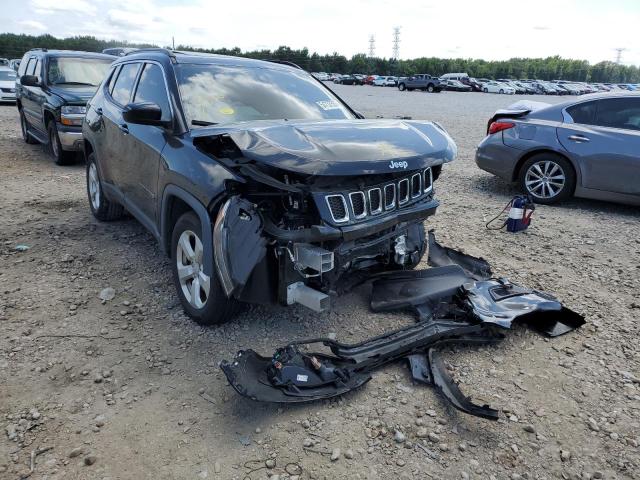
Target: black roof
x=178 y=56
x=71 y=53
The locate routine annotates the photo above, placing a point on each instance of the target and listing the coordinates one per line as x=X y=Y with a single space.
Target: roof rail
x=39 y=48
x=152 y=50
x=285 y=62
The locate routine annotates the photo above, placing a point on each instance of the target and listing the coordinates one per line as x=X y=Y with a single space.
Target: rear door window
x=619 y=113
x=124 y=83
x=584 y=113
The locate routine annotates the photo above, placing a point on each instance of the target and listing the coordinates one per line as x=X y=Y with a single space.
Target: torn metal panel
x=439 y=256
x=502 y=303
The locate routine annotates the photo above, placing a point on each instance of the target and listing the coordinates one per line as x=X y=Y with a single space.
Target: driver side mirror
x=30 y=81
x=143 y=113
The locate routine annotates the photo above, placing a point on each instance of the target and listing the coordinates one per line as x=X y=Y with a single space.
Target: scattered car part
x=454 y=304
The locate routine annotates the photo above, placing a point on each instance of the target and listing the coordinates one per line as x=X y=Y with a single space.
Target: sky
x=491 y=30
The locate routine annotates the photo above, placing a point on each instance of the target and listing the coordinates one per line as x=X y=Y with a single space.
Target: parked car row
x=462 y=82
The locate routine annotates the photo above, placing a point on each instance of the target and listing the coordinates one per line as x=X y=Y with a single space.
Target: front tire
x=60 y=157
x=402 y=87
x=501 y=91
x=102 y=208
x=548 y=178
x=485 y=90
x=201 y=296
x=430 y=88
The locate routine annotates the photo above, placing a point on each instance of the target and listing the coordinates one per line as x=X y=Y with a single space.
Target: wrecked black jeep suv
x=259 y=183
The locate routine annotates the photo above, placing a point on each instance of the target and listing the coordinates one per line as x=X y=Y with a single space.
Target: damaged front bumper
x=456 y=302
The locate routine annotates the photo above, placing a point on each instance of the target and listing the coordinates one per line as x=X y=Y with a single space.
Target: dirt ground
x=130 y=387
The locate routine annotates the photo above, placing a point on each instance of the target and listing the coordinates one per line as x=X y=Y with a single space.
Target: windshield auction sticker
x=328 y=105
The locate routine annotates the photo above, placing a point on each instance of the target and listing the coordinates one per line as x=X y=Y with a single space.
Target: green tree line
x=14 y=46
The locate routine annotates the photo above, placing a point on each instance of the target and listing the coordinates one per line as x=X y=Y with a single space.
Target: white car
x=7 y=84
x=385 y=82
x=497 y=87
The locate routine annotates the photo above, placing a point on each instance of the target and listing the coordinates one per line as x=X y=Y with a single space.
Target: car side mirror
x=30 y=81
x=143 y=113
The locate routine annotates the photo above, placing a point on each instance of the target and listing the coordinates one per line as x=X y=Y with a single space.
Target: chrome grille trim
x=405 y=199
x=428 y=186
x=418 y=191
x=392 y=205
x=364 y=204
x=380 y=201
x=344 y=204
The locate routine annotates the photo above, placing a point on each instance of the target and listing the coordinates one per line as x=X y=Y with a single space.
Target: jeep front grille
x=358 y=204
x=374 y=201
x=338 y=208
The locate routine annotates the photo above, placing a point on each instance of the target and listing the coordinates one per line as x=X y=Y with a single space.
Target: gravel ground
x=130 y=388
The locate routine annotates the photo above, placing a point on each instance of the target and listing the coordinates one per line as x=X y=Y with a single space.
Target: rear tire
x=24 y=126
x=501 y=91
x=548 y=178
x=485 y=90
x=201 y=296
x=55 y=147
x=430 y=88
x=102 y=208
x=402 y=87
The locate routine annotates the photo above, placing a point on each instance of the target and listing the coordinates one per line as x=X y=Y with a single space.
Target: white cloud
x=67 y=6
x=32 y=25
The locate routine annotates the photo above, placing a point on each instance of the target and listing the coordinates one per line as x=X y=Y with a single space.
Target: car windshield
x=7 y=75
x=77 y=71
x=213 y=94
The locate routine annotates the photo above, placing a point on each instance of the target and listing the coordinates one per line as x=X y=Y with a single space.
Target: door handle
x=124 y=128
x=578 y=138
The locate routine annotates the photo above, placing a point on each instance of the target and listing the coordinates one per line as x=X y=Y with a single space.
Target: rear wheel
x=55 y=147
x=24 y=127
x=485 y=90
x=548 y=178
x=201 y=295
x=402 y=87
x=430 y=88
x=501 y=91
x=101 y=207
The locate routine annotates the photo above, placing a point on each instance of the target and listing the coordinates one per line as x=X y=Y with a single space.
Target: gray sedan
x=587 y=147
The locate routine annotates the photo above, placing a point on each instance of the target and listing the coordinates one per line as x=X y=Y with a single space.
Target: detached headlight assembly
x=72 y=115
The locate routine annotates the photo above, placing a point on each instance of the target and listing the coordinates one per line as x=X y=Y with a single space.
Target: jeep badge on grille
x=393 y=165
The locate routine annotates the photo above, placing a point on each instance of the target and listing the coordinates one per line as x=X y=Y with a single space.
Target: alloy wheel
x=195 y=284
x=545 y=179
x=94 y=187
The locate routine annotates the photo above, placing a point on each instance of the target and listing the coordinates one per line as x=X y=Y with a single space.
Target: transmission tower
x=396 y=43
x=372 y=46
x=619 y=54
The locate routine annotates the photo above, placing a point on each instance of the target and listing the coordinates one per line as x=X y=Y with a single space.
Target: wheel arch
x=175 y=202
x=528 y=155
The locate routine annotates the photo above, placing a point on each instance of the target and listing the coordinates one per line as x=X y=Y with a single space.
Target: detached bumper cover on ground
x=456 y=302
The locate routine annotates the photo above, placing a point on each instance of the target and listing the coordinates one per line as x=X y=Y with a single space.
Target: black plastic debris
x=456 y=302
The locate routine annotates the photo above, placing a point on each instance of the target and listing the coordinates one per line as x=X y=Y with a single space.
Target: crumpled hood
x=77 y=95
x=340 y=147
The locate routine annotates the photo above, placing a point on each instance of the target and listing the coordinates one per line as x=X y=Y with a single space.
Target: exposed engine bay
x=458 y=301
x=299 y=236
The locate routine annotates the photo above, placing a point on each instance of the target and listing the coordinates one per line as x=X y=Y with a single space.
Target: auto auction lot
x=130 y=387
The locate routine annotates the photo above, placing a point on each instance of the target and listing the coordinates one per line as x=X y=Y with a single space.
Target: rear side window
x=619 y=113
x=112 y=80
x=584 y=113
x=124 y=84
x=151 y=88
x=31 y=66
